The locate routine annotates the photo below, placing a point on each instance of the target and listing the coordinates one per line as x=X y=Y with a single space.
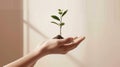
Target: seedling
x=59 y=22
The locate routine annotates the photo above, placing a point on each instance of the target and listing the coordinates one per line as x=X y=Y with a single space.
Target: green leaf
x=61 y=24
x=59 y=10
x=55 y=17
x=55 y=23
x=64 y=13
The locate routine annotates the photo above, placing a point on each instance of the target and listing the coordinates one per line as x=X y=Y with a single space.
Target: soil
x=58 y=37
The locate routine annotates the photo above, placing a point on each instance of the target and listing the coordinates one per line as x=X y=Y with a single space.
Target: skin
x=52 y=46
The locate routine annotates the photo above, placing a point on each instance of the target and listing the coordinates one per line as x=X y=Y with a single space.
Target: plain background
x=98 y=20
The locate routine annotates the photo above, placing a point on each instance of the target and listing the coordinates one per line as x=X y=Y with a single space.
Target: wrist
x=40 y=52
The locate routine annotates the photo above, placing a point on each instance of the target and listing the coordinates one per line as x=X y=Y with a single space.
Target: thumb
x=66 y=40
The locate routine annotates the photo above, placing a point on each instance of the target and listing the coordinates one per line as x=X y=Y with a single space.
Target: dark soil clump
x=58 y=37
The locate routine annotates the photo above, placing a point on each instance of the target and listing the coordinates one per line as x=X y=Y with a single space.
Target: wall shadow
x=30 y=26
x=75 y=60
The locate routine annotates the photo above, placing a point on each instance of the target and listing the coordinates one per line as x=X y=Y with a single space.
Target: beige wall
x=10 y=30
x=103 y=41
x=98 y=20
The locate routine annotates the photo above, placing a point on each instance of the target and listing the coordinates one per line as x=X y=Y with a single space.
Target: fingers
x=66 y=40
x=75 y=37
x=78 y=40
x=75 y=43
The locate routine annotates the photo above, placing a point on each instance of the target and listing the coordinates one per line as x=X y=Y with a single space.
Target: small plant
x=60 y=22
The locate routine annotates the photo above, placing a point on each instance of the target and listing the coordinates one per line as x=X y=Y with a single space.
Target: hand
x=61 y=46
x=52 y=46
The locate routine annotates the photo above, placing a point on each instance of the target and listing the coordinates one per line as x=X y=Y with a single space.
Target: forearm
x=52 y=46
x=28 y=60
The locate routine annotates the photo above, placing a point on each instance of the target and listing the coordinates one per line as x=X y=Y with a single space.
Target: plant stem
x=60 y=25
x=60 y=30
